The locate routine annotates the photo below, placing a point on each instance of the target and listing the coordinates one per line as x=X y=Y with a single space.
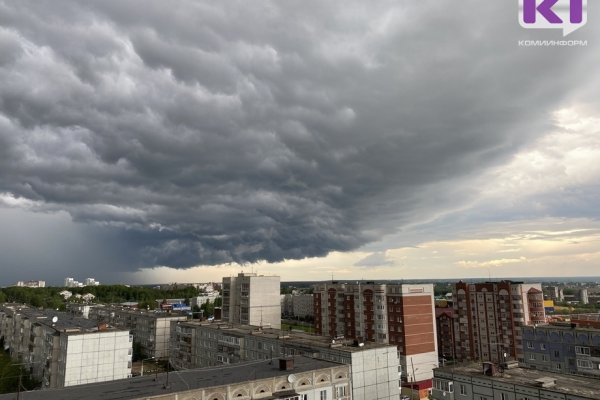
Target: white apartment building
x=299 y=378
x=374 y=372
x=31 y=284
x=62 y=350
x=252 y=299
x=297 y=305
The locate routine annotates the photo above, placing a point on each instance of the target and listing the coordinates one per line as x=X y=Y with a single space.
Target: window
x=584 y=364
x=529 y=345
x=556 y=353
x=340 y=391
x=543 y=346
x=323 y=395
x=531 y=356
x=558 y=366
x=463 y=390
x=582 y=351
x=503 y=396
x=544 y=357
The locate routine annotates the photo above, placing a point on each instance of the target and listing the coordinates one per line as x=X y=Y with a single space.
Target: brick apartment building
x=397 y=314
x=489 y=317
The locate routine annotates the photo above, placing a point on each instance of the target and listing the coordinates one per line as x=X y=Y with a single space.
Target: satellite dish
x=291 y=378
x=54 y=319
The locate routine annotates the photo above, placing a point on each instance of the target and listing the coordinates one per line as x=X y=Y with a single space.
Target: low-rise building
x=151 y=329
x=375 y=367
x=61 y=350
x=485 y=381
x=300 y=378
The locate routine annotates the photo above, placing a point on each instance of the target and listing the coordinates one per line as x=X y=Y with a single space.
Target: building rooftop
x=296 y=337
x=179 y=381
x=64 y=322
x=568 y=384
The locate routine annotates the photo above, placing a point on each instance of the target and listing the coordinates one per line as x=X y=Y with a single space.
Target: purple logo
x=566 y=15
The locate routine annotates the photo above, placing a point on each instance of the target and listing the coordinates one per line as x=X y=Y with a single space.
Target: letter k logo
x=545 y=8
x=566 y=15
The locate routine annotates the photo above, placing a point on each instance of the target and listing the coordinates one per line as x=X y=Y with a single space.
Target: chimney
x=286 y=364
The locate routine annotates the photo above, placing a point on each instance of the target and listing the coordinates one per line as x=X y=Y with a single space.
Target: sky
x=145 y=142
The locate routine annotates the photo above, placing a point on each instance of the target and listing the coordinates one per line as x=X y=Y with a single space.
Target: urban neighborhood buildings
x=61 y=350
x=151 y=329
x=375 y=367
x=398 y=314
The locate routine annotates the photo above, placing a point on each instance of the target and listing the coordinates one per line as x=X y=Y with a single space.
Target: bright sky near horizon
x=142 y=143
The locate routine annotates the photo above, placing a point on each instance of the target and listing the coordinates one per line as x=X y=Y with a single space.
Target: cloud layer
x=215 y=132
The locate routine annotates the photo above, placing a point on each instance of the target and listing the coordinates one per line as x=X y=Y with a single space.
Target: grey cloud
x=263 y=130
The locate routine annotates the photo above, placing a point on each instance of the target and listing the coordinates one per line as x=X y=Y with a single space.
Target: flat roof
x=569 y=384
x=296 y=337
x=179 y=381
x=66 y=323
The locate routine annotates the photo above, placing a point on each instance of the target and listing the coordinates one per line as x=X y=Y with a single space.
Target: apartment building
x=297 y=305
x=398 y=314
x=444 y=320
x=565 y=348
x=300 y=378
x=31 y=284
x=61 y=350
x=252 y=299
x=475 y=381
x=489 y=317
x=201 y=344
x=151 y=329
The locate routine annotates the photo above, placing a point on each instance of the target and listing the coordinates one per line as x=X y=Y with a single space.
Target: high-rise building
x=397 y=314
x=444 y=319
x=489 y=317
x=251 y=299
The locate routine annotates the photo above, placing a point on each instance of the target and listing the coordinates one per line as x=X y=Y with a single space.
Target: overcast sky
x=150 y=141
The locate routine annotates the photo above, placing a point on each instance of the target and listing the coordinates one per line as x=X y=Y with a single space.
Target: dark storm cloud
x=209 y=132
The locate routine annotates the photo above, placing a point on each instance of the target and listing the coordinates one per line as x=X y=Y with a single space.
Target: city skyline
x=141 y=144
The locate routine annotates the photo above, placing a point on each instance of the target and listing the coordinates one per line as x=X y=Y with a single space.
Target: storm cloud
x=202 y=132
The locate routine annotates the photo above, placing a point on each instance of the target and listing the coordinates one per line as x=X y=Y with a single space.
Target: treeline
x=10 y=373
x=49 y=297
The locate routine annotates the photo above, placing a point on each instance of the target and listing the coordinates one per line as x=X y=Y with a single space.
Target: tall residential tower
x=251 y=299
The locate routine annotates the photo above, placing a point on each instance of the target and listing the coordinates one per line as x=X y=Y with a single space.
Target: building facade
x=444 y=320
x=151 y=329
x=300 y=378
x=485 y=382
x=61 y=350
x=297 y=305
x=397 y=314
x=563 y=348
x=252 y=299
x=489 y=317
x=374 y=366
